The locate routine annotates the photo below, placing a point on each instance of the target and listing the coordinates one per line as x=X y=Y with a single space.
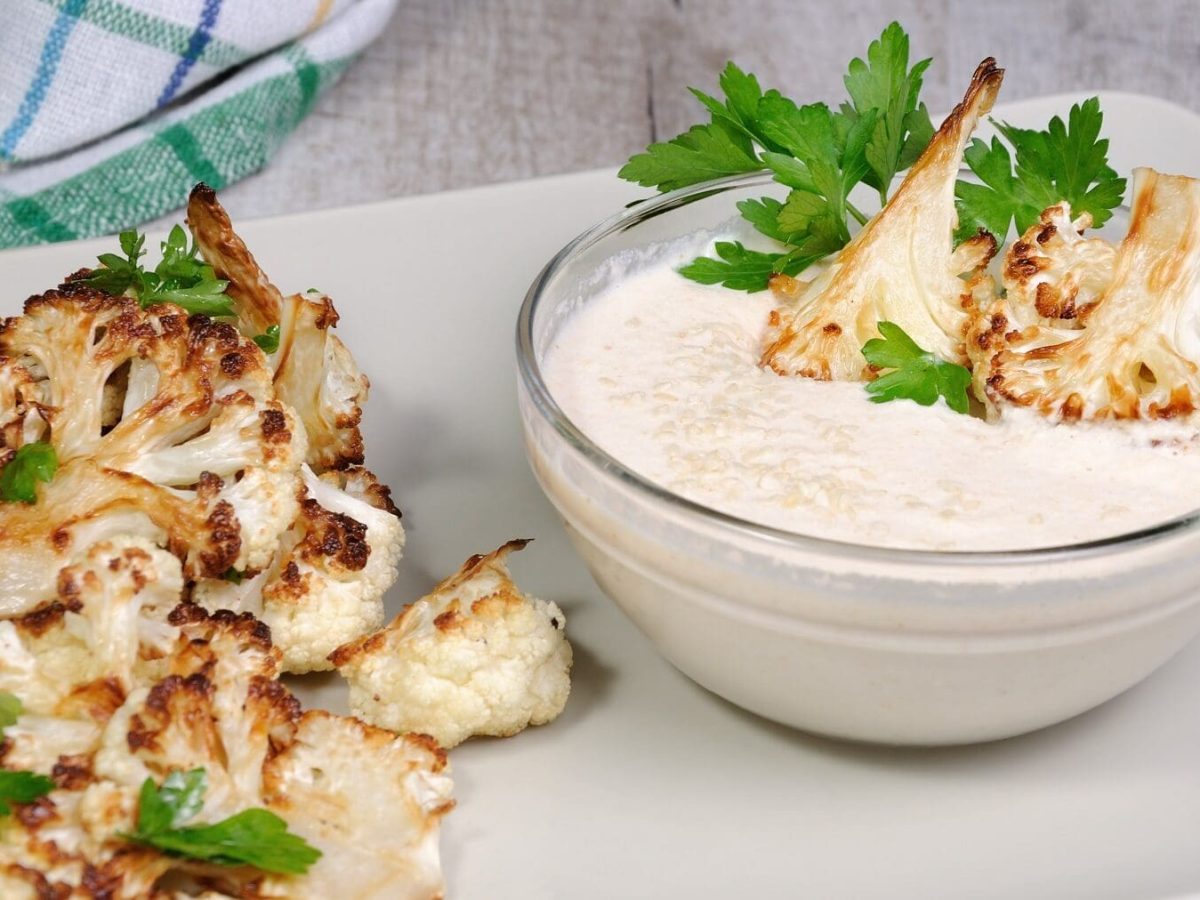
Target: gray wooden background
x=466 y=92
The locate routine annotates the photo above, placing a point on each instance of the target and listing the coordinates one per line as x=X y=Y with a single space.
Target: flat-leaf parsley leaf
x=915 y=374
x=1060 y=162
x=268 y=341
x=10 y=710
x=820 y=154
x=21 y=787
x=255 y=837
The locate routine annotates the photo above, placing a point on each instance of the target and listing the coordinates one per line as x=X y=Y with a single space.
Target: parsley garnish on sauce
x=1061 y=162
x=913 y=373
x=819 y=153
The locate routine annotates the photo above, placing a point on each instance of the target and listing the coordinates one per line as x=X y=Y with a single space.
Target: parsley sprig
x=268 y=341
x=916 y=374
x=1064 y=161
x=180 y=277
x=255 y=837
x=17 y=787
x=32 y=463
x=822 y=154
x=818 y=153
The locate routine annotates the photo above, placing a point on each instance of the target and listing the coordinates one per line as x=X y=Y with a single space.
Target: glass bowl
x=852 y=641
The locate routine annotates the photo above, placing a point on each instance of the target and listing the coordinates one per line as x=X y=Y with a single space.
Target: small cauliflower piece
x=319 y=378
x=902 y=267
x=326 y=587
x=1134 y=357
x=369 y=800
x=474 y=657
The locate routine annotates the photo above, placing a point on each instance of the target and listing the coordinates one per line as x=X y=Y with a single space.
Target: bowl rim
x=530 y=375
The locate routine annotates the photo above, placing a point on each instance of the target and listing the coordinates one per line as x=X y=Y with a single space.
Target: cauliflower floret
x=33 y=865
x=314 y=372
x=474 y=657
x=198 y=419
x=902 y=267
x=326 y=587
x=369 y=800
x=219 y=708
x=77 y=656
x=1053 y=274
x=329 y=405
x=372 y=801
x=34 y=741
x=67 y=843
x=1134 y=356
x=257 y=301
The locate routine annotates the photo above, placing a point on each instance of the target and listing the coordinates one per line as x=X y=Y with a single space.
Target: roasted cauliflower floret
x=203 y=459
x=318 y=377
x=64 y=845
x=474 y=657
x=314 y=372
x=1054 y=275
x=370 y=800
x=218 y=707
x=1135 y=356
x=77 y=656
x=181 y=468
x=902 y=267
x=326 y=587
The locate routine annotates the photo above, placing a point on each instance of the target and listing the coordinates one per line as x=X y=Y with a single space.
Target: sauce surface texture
x=662 y=373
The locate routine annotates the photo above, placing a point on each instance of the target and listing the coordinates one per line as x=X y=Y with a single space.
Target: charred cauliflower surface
x=474 y=657
x=1091 y=331
x=902 y=267
x=314 y=373
x=179 y=430
x=343 y=548
x=165 y=426
x=159 y=688
x=209 y=527
x=184 y=472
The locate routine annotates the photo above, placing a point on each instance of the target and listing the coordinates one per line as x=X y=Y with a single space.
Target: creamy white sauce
x=662 y=373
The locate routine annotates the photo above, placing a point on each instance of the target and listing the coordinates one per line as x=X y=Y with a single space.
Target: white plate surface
x=648 y=786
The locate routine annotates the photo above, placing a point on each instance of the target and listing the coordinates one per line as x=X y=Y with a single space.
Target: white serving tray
x=648 y=786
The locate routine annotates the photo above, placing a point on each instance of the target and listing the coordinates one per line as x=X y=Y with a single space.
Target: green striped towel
x=110 y=110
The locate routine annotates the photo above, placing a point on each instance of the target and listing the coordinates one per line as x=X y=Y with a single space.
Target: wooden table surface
x=459 y=93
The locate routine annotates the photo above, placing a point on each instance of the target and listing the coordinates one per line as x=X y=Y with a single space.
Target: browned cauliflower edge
x=1114 y=336
x=473 y=657
x=902 y=267
x=118 y=686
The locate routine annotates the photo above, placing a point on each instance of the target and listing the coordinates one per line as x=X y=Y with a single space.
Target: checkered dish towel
x=110 y=110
